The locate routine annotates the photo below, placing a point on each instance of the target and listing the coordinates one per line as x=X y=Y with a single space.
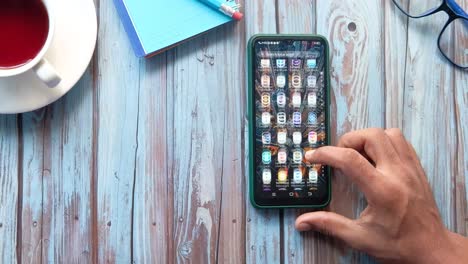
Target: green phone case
x=251 y=113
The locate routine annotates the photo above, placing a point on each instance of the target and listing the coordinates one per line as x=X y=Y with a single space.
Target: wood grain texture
x=9 y=148
x=33 y=127
x=461 y=155
x=56 y=158
x=201 y=163
x=153 y=197
x=56 y=218
x=460 y=94
x=118 y=83
x=232 y=211
x=67 y=176
x=198 y=123
x=395 y=40
x=146 y=161
x=296 y=17
x=429 y=113
x=355 y=32
x=263 y=230
x=173 y=250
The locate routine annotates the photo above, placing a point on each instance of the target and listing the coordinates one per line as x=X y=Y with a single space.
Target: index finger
x=374 y=142
x=352 y=164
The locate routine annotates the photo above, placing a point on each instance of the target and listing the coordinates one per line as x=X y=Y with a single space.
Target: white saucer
x=70 y=53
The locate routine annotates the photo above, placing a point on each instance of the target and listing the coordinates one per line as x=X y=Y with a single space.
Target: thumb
x=334 y=225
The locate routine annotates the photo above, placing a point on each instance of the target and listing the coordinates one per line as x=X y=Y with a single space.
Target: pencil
x=225 y=8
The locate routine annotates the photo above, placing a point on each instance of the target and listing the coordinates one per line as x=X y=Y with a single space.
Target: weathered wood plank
x=461 y=155
x=395 y=33
x=461 y=118
x=296 y=17
x=153 y=200
x=260 y=17
x=9 y=147
x=33 y=129
x=56 y=174
x=197 y=156
x=172 y=218
x=231 y=238
x=198 y=115
x=263 y=230
x=461 y=166
x=429 y=114
x=355 y=32
x=67 y=175
x=117 y=112
x=293 y=241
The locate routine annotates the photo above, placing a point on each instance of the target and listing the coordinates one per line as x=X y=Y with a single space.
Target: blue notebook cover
x=155 y=25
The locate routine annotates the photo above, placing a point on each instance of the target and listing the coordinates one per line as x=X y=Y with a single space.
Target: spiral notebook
x=154 y=26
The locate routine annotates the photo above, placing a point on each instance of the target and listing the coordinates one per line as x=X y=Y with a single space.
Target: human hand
x=401 y=223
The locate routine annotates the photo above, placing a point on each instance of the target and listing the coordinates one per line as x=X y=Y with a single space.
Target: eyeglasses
x=453 y=39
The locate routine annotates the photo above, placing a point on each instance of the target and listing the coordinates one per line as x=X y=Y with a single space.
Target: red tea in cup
x=24 y=27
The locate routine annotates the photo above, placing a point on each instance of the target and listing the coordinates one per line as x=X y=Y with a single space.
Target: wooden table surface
x=144 y=161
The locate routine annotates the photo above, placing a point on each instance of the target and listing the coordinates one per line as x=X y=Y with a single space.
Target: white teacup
x=43 y=69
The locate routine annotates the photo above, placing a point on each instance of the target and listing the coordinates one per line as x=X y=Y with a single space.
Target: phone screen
x=290 y=93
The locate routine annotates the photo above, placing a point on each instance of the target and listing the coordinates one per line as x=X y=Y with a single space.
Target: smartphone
x=289 y=113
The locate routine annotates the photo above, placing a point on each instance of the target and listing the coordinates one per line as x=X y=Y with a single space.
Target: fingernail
x=303 y=227
x=309 y=154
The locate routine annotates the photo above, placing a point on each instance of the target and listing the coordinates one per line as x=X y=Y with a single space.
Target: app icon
x=281 y=118
x=313 y=175
x=297 y=118
x=282 y=137
x=297 y=175
x=312 y=99
x=312 y=118
x=313 y=137
x=266 y=176
x=296 y=63
x=297 y=137
x=265 y=81
x=281 y=63
x=311 y=81
x=282 y=157
x=264 y=63
x=266 y=100
x=282 y=175
x=281 y=81
x=266 y=138
x=296 y=99
x=311 y=63
x=281 y=99
x=266 y=118
x=266 y=157
x=297 y=156
x=296 y=80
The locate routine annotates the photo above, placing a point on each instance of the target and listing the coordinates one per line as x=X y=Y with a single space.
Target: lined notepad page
x=159 y=24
